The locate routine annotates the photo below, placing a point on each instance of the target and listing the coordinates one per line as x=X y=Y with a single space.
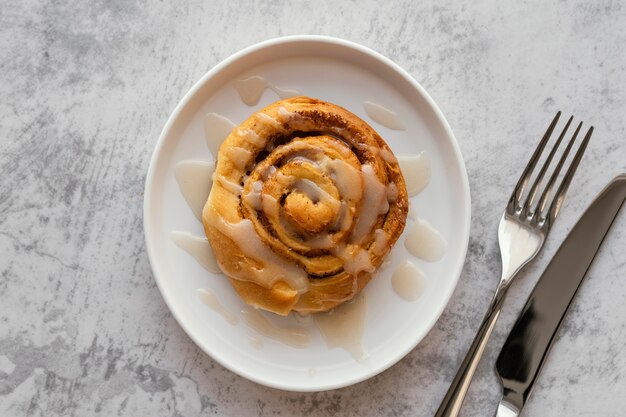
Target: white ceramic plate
x=346 y=74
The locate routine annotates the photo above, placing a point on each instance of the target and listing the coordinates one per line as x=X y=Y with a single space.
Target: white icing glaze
x=348 y=180
x=216 y=130
x=355 y=258
x=315 y=193
x=251 y=89
x=199 y=248
x=374 y=202
x=271 y=170
x=303 y=317
x=385 y=263
x=270 y=206
x=416 y=171
x=268 y=120
x=254 y=197
x=344 y=218
x=392 y=192
x=320 y=241
x=210 y=299
x=194 y=180
x=285 y=115
x=285 y=92
x=383 y=116
x=227 y=184
x=387 y=155
x=296 y=157
x=408 y=281
x=425 y=242
x=240 y=157
x=291 y=336
x=274 y=268
x=251 y=137
x=380 y=241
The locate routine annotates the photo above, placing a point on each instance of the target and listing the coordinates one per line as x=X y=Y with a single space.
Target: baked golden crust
x=307 y=199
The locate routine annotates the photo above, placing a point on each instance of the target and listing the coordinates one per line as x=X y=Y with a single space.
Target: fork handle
x=451 y=404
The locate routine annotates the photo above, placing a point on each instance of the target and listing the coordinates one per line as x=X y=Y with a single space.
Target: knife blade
x=533 y=334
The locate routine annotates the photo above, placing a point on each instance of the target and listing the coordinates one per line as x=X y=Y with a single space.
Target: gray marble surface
x=86 y=88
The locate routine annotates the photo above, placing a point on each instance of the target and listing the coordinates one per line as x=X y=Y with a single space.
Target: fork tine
x=544 y=168
x=521 y=183
x=555 y=174
x=567 y=179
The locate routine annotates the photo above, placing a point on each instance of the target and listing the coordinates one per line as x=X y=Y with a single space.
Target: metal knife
x=529 y=343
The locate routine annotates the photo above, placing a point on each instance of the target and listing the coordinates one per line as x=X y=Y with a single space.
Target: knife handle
x=451 y=403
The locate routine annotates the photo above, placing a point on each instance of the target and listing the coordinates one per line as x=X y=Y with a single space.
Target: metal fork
x=521 y=234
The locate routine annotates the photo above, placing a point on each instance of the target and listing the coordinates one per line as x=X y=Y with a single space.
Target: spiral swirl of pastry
x=307 y=200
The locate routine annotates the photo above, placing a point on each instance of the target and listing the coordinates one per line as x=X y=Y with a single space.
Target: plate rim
x=150 y=175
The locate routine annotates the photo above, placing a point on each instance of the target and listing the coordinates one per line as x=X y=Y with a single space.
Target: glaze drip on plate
x=291 y=336
x=251 y=89
x=408 y=281
x=344 y=327
x=216 y=130
x=209 y=298
x=199 y=248
x=194 y=180
x=425 y=242
x=384 y=116
x=416 y=170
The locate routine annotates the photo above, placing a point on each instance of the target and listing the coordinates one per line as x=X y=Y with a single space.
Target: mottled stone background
x=85 y=89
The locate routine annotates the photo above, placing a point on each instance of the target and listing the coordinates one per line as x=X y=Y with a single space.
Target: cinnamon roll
x=307 y=200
